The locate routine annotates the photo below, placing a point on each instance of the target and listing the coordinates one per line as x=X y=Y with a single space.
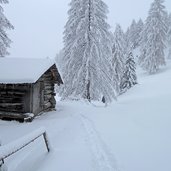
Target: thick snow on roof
x=21 y=70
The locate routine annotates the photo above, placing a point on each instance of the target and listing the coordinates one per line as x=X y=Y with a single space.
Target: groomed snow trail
x=77 y=146
x=103 y=159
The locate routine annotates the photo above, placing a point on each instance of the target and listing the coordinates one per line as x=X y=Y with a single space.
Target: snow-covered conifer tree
x=4 y=25
x=59 y=60
x=87 y=52
x=169 y=41
x=127 y=36
x=153 y=38
x=169 y=34
x=132 y=34
x=169 y=20
x=129 y=78
x=140 y=26
x=118 y=59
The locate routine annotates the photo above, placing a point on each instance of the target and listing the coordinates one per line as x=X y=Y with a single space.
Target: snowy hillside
x=132 y=134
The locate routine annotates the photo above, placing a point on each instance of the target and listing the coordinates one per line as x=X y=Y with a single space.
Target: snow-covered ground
x=132 y=134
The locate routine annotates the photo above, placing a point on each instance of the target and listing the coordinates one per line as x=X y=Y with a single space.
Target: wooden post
x=1 y=160
x=46 y=141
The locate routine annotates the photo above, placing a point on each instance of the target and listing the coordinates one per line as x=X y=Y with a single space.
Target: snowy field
x=132 y=134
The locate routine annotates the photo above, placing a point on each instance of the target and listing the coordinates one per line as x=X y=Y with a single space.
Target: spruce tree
x=87 y=52
x=129 y=78
x=118 y=60
x=4 y=25
x=169 y=20
x=140 y=26
x=169 y=41
x=153 y=38
x=132 y=34
x=169 y=35
x=127 y=37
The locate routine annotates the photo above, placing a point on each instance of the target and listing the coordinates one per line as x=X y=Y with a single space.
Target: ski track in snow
x=103 y=159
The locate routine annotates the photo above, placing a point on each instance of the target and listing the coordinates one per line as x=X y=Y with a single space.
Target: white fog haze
x=39 y=24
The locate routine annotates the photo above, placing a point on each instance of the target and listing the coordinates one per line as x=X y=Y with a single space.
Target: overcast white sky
x=39 y=24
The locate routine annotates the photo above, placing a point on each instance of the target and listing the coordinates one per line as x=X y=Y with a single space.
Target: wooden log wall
x=56 y=76
x=12 y=97
x=49 y=90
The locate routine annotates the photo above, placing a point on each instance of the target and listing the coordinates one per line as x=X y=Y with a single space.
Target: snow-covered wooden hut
x=27 y=87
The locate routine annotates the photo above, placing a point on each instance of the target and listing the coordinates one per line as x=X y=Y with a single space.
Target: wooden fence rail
x=1 y=161
x=12 y=148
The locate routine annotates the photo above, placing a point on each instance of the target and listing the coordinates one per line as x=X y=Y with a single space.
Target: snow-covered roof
x=21 y=70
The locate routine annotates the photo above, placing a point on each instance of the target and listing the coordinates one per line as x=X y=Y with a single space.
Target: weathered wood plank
x=16 y=116
x=46 y=141
x=48 y=92
x=10 y=104
x=9 y=101
x=47 y=97
x=11 y=115
x=47 y=105
x=46 y=82
x=12 y=110
x=49 y=88
x=12 y=92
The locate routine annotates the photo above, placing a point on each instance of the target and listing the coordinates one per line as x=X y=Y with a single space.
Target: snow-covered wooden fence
x=1 y=161
x=13 y=147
